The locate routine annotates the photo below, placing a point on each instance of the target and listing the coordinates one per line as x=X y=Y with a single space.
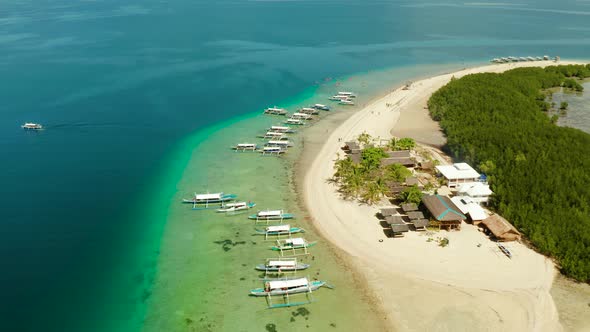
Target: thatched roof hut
x=442 y=208
x=399 y=228
x=407 y=207
x=412 y=180
x=414 y=215
x=501 y=228
x=385 y=212
x=395 y=160
x=399 y=154
x=395 y=220
x=420 y=224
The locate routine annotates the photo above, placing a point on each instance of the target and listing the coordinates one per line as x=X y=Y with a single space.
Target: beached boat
x=504 y=250
x=281 y=265
x=496 y=60
x=279 y=230
x=275 y=111
x=522 y=59
x=236 y=207
x=245 y=147
x=31 y=126
x=281 y=129
x=309 y=110
x=302 y=116
x=274 y=135
x=272 y=150
x=280 y=143
x=295 y=122
x=546 y=57
x=346 y=102
x=202 y=201
x=347 y=94
x=321 y=107
x=270 y=215
x=286 y=288
x=293 y=247
x=530 y=58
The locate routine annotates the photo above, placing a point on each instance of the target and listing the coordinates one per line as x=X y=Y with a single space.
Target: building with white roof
x=469 y=207
x=478 y=191
x=458 y=173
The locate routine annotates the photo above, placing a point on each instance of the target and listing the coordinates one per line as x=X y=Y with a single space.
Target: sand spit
x=467 y=286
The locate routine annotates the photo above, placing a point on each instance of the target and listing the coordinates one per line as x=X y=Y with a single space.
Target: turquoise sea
x=141 y=99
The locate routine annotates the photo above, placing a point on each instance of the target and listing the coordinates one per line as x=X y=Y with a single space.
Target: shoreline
x=401 y=273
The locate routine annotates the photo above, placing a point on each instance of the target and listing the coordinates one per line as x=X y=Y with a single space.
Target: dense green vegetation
x=368 y=180
x=539 y=172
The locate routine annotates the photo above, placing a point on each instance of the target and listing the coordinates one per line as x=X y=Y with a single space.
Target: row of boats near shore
x=280 y=282
x=277 y=136
x=523 y=59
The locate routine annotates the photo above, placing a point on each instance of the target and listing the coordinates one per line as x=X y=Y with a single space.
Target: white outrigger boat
x=302 y=116
x=295 y=246
x=309 y=110
x=280 y=143
x=202 y=201
x=337 y=98
x=279 y=230
x=281 y=129
x=321 y=107
x=281 y=265
x=346 y=102
x=32 y=126
x=271 y=215
x=245 y=147
x=236 y=207
x=272 y=150
x=296 y=122
x=288 y=287
x=274 y=135
x=275 y=111
x=347 y=94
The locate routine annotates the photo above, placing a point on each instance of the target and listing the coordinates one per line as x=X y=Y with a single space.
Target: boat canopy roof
x=278 y=228
x=278 y=284
x=279 y=128
x=298 y=241
x=282 y=263
x=279 y=142
x=308 y=109
x=209 y=196
x=273 y=133
x=246 y=144
x=345 y=93
x=270 y=213
x=301 y=115
x=320 y=105
x=272 y=148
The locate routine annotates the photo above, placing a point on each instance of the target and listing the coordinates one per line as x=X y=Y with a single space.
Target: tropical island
x=495 y=127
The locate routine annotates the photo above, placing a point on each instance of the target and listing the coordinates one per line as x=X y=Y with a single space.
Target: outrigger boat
x=504 y=250
x=285 y=288
x=309 y=110
x=282 y=144
x=337 y=98
x=302 y=116
x=296 y=246
x=274 y=135
x=281 y=129
x=236 y=207
x=346 y=102
x=321 y=107
x=279 y=231
x=271 y=215
x=281 y=265
x=31 y=126
x=275 y=111
x=202 y=201
x=245 y=147
x=347 y=94
x=276 y=150
x=296 y=122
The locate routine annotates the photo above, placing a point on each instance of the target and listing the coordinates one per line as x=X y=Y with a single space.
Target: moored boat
x=31 y=126
x=280 y=143
x=337 y=97
x=294 y=246
x=281 y=129
x=279 y=230
x=272 y=150
x=346 y=102
x=309 y=110
x=202 y=201
x=280 y=265
x=504 y=250
x=302 y=116
x=275 y=111
x=268 y=215
x=347 y=94
x=284 y=287
x=295 y=122
x=245 y=147
x=321 y=107
x=237 y=206
x=274 y=135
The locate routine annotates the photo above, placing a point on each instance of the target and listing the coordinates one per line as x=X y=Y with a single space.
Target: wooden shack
x=500 y=228
x=444 y=211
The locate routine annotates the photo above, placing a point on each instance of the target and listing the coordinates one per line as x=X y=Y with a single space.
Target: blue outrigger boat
x=279 y=230
x=285 y=288
x=209 y=201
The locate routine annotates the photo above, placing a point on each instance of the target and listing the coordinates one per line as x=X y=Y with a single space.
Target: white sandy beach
x=423 y=287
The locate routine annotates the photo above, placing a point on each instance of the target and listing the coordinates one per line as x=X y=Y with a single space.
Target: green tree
x=563 y=105
x=411 y=194
x=371 y=157
x=364 y=139
x=397 y=172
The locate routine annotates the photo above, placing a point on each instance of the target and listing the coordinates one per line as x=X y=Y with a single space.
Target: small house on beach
x=469 y=207
x=458 y=173
x=500 y=228
x=399 y=157
x=397 y=225
x=444 y=211
x=415 y=215
x=420 y=224
x=407 y=207
x=478 y=191
x=386 y=212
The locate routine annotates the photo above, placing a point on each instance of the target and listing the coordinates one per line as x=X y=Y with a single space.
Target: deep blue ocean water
x=118 y=84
